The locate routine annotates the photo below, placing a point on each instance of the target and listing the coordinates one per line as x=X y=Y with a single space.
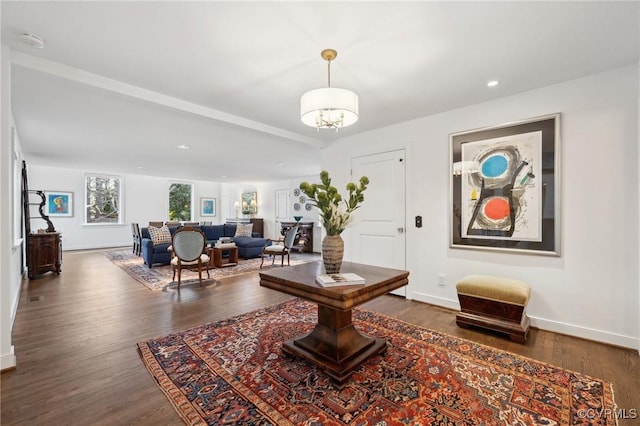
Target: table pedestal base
x=335 y=345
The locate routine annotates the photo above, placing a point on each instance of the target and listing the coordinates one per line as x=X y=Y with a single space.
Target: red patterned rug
x=232 y=372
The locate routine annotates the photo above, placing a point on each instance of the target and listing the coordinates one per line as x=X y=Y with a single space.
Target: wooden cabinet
x=44 y=253
x=258 y=224
x=44 y=250
x=304 y=240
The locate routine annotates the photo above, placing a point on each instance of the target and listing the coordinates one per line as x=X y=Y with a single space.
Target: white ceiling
x=120 y=84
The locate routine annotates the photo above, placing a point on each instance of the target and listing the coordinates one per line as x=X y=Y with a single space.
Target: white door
x=378 y=230
x=282 y=208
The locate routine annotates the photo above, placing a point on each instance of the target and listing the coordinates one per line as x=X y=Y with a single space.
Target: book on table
x=334 y=280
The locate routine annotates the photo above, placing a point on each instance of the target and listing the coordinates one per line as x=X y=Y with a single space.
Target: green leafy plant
x=335 y=211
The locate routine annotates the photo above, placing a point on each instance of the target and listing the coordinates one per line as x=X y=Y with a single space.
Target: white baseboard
x=585 y=332
x=549 y=325
x=438 y=301
x=8 y=360
x=95 y=246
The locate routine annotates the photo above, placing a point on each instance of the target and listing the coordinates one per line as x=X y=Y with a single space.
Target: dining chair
x=137 y=238
x=281 y=249
x=188 y=245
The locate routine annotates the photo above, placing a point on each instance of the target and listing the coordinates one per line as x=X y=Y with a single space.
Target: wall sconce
x=236 y=206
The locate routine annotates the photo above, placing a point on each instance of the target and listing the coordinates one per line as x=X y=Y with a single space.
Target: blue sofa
x=248 y=247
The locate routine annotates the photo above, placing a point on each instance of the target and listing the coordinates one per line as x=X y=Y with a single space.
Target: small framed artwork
x=58 y=203
x=249 y=203
x=504 y=187
x=207 y=206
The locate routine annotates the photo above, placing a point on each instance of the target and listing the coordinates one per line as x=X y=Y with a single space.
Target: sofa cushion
x=250 y=242
x=229 y=230
x=160 y=235
x=213 y=232
x=145 y=232
x=161 y=248
x=244 y=230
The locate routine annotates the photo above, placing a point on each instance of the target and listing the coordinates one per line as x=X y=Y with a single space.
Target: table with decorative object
x=334 y=344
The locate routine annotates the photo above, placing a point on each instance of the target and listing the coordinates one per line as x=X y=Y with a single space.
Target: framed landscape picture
x=249 y=203
x=504 y=187
x=207 y=206
x=58 y=203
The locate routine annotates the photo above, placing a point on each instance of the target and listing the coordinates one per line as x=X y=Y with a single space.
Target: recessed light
x=493 y=83
x=139 y=167
x=279 y=163
x=183 y=146
x=33 y=40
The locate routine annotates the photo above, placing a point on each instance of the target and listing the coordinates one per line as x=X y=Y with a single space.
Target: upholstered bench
x=494 y=303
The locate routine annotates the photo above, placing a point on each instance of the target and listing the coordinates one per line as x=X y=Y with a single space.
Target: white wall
x=10 y=243
x=146 y=198
x=307 y=216
x=267 y=204
x=591 y=290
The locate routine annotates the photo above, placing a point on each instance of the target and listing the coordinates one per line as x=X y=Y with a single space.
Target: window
x=103 y=199
x=180 y=201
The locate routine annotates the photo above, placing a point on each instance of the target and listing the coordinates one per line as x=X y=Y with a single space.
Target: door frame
x=404 y=154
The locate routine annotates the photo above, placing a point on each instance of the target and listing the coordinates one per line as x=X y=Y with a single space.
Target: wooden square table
x=216 y=258
x=334 y=344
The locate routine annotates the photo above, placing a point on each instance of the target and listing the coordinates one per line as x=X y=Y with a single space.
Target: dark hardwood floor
x=75 y=339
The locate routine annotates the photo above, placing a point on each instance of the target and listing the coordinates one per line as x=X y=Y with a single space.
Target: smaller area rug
x=160 y=277
x=232 y=372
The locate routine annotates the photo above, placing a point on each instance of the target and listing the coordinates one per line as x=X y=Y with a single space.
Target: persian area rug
x=160 y=277
x=233 y=372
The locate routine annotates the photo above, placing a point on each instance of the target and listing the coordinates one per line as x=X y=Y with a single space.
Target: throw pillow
x=160 y=235
x=244 y=230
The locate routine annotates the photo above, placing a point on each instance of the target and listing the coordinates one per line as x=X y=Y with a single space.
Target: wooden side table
x=215 y=256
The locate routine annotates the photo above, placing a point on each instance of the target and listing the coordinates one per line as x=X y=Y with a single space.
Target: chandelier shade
x=329 y=107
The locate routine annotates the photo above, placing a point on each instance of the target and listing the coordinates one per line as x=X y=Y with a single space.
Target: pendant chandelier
x=329 y=107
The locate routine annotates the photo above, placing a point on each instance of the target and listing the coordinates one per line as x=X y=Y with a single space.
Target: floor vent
x=36 y=298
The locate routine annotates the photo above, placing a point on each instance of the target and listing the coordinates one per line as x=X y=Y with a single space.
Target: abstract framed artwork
x=58 y=203
x=207 y=206
x=505 y=187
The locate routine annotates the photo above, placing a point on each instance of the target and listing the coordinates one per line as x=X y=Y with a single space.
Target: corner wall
x=638 y=181
x=592 y=289
x=10 y=244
